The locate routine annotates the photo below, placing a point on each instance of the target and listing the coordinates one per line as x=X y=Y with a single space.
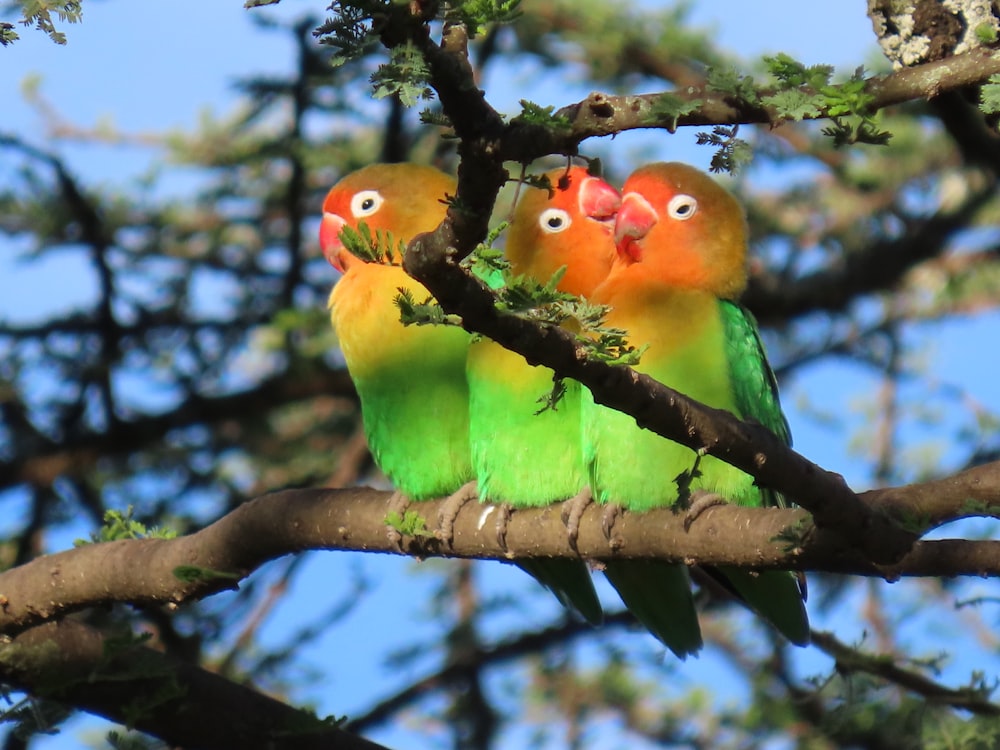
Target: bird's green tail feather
x=775 y=596
x=571 y=583
x=659 y=595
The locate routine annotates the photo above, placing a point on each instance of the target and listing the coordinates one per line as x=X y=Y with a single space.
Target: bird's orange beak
x=634 y=220
x=598 y=199
x=329 y=240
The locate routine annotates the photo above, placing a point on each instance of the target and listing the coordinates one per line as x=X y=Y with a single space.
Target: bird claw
x=398 y=504
x=448 y=512
x=572 y=512
x=503 y=518
x=701 y=500
x=608 y=519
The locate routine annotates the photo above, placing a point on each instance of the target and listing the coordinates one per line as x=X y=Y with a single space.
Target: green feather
x=659 y=595
x=775 y=595
x=528 y=458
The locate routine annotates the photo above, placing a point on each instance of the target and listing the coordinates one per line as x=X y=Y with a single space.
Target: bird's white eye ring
x=682 y=207
x=554 y=220
x=365 y=203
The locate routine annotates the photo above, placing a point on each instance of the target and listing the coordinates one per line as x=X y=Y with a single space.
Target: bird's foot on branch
x=505 y=510
x=449 y=511
x=398 y=504
x=572 y=512
x=608 y=520
x=701 y=500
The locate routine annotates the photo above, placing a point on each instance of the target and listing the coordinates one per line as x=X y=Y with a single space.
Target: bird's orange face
x=571 y=227
x=404 y=199
x=684 y=228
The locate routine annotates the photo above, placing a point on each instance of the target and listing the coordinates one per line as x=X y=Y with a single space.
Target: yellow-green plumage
x=681 y=262
x=520 y=456
x=410 y=379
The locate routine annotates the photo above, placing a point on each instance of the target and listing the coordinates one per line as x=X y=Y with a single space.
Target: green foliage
x=380 y=248
x=474 y=14
x=670 y=107
x=730 y=83
x=38 y=13
x=793 y=104
x=986 y=33
x=194 y=573
x=7 y=34
x=551 y=399
x=121 y=525
x=426 y=313
x=848 y=106
x=989 y=95
x=349 y=31
x=486 y=262
x=791 y=73
x=405 y=75
x=535 y=114
x=410 y=523
x=733 y=153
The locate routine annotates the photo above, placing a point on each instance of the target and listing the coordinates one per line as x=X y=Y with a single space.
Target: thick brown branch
x=164 y=696
x=171 y=571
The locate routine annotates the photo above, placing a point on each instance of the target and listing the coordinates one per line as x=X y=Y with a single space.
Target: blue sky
x=151 y=67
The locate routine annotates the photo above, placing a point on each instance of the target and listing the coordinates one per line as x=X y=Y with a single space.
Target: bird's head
x=570 y=226
x=683 y=228
x=404 y=199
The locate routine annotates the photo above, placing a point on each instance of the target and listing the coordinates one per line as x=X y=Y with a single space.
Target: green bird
x=524 y=456
x=681 y=265
x=410 y=379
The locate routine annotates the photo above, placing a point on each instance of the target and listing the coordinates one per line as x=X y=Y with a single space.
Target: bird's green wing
x=776 y=595
x=754 y=386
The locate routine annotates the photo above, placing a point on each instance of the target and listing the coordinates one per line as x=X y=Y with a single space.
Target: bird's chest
x=371 y=336
x=685 y=339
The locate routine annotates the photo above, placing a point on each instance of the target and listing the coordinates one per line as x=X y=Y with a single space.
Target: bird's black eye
x=554 y=220
x=682 y=207
x=365 y=203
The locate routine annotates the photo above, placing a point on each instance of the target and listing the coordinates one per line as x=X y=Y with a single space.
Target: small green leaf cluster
x=733 y=153
x=405 y=75
x=670 y=107
x=350 y=31
x=426 y=313
x=475 y=14
x=730 y=83
x=410 y=523
x=121 y=525
x=791 y=73
x=535 y=114
x=989 y=95
x=381 y=247
x=486 y=262
x=196 y=573
x=848 y=107
x=602 y=342
x=38 y=13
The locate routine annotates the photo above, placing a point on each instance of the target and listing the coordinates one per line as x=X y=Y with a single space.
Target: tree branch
x=156 y=571
x=600 y=114
x=164 y=696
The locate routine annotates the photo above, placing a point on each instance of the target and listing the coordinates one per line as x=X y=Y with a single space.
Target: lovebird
x=680 y=266
x=410 y=379
x=524 y=455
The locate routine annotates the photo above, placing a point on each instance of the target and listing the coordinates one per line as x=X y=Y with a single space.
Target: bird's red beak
x=598 y=199
x=634 y=220
x=329 y=240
